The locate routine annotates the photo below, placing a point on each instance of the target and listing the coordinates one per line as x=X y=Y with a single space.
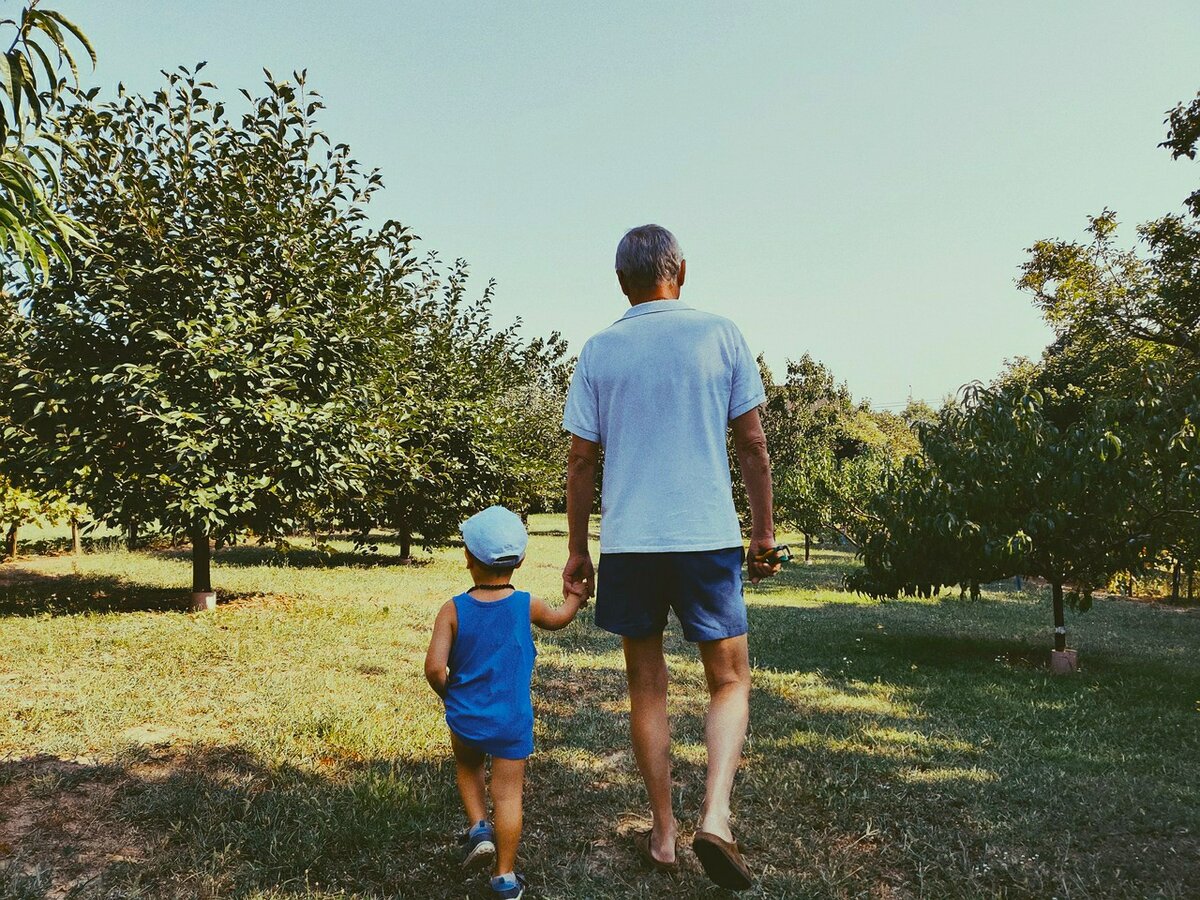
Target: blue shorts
x=502 y=746
x=634 y=591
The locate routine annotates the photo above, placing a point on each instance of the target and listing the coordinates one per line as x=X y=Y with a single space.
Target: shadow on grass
x=805 y=760
x=771 y=628
x=218 y=821
x=62 y=546
x=26 y=593
x=249 y=556
x=593 y=534
x=223 y=822
x=946 y=635
x=916 y=745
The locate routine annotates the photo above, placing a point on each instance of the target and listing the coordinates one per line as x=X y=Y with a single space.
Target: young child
x=480 y=662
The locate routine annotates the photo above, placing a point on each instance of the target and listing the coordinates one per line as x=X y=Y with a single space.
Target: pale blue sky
x=856 y=180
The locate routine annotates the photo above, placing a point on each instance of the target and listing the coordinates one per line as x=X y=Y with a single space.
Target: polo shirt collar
x=654 y=306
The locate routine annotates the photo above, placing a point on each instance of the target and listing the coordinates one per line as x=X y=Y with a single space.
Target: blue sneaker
x=479 y=846
x=508 y=887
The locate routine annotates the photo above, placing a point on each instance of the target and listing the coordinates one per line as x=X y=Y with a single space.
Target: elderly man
x=657 y=390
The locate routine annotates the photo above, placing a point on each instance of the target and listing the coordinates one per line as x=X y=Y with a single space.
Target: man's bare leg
x=646 y=673
x=727 y=670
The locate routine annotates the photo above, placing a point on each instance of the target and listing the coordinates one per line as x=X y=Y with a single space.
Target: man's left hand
x=760 y=569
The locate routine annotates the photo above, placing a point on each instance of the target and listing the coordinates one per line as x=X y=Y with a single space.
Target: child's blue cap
x=495 y=537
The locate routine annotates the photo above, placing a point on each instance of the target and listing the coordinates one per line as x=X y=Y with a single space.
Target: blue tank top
x=488 y=699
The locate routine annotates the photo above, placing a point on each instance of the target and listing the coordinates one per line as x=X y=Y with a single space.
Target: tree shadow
x=593 y=534
x=804 y=756
x=970 y=643
x=26 y=593
x=957 y=726
x=771 y=625
x=955 y=748
x=222 y=821
x=250 y=556
x=62 y=546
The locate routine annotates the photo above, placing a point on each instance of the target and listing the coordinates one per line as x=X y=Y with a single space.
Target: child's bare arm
x=552 y=618
x=437 y=658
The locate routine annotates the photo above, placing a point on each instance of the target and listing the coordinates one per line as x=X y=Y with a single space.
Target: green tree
x=465 y=414
x=828 y=454
x=1084 y=464
x=20 y=507
x=1105 y=297
x=1183 y=138
x=1001 y=489
x=1119 y=313
x=39 y=46
x=200 y=367
x=1164 y=418
x=1113 y=307
x=531 y=434
x=801 y=419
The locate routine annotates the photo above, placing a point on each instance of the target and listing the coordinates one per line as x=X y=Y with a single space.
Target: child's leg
x=469 y=772
x=508 y=781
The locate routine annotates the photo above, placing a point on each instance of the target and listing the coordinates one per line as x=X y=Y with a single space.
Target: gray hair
x=647 y=255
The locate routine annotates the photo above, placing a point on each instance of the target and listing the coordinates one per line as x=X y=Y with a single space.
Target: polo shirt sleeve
x=747 y=392
x=582 y=414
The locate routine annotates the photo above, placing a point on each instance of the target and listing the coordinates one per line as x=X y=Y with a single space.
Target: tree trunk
x=405 y=543
x=974 y=590
x=201 y=560
x=1060 y=621
x=76 y=542
x=131 y=535
x=1175 y=583
x=807 y=548
x=11 y=541
x=1191 y=581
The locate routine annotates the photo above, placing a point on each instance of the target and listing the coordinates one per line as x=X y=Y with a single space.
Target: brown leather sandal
x=722 y=861
x=641 y=840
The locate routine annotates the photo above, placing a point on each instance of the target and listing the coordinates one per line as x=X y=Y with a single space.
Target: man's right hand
x=579 y=576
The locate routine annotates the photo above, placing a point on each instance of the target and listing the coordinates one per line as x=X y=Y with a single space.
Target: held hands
x=579 y=578
x=760 y=569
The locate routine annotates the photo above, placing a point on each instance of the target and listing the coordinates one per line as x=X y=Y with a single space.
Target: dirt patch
x=59 y=822
x=150 y=735
x=256 y=601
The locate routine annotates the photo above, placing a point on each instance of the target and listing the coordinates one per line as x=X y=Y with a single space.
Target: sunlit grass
x=946 y=773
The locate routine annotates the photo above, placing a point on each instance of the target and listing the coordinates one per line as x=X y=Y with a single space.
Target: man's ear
x=621 y=280
x=467 y=556
x=682 y=272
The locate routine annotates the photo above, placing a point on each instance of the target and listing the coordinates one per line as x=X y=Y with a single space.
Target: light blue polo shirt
x=657 y=389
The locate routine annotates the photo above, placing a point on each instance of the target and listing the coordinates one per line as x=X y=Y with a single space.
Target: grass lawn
x=286 y=745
